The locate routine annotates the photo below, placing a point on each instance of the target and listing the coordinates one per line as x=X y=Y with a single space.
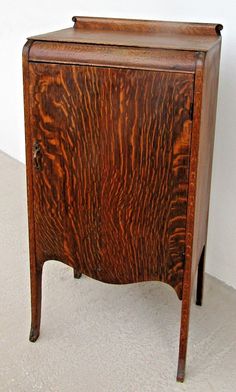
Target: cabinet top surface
x=138 y=33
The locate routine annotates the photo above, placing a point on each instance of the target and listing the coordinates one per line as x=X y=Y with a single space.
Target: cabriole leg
x=36 y=294
x=200 y=278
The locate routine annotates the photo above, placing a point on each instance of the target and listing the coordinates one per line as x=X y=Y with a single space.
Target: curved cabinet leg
x=36 y=294
x=77 y=274
x=200 y=278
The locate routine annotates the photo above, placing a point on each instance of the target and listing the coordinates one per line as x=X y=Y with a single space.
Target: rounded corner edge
x=218 y=28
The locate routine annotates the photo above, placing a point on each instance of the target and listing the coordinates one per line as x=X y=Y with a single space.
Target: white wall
x=19 y=19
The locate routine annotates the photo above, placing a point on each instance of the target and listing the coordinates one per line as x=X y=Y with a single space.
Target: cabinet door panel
x=111 y=196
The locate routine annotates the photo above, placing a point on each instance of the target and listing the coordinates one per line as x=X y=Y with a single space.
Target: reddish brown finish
x=119 y=143
x=205 y=99
x=145 y=26
x=35 y=267
x=133 y=33
x=126 y=191
x=206 y=124
x=119 y=57
x=187 y=282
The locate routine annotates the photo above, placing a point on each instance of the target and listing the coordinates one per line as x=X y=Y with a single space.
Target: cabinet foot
x=181 y=371
x=77 y=274
x=182 y=350
x=200 y=278
x=34 y=334
x=184 y=326
x=36 y=294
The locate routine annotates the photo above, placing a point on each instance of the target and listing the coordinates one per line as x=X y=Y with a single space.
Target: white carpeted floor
x=97 y=337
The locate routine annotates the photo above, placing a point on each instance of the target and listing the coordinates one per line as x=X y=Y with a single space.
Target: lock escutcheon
x=37 y=155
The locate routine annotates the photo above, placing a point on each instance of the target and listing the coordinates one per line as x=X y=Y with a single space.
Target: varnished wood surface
x=35 y=267
x=206 y=126
x=138 y=33
x=205 y=99
x=119 y=213
x=145 y=26
x=120 y=38
x=120 y=57
x=187 y=281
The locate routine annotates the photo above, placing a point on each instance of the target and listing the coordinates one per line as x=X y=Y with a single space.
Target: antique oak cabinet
x=119 y=120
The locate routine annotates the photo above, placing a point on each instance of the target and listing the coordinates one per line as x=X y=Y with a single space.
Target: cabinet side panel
x=28 y=150
x=206 y=143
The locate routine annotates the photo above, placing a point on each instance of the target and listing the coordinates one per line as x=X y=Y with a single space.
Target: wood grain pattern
x=137 y=33
x=126 y=136
x=120 y=57
x=145 y=26
x=205 y=99
x=206 y=143
x=187 y=282
x=35 y=266
x=142 y=40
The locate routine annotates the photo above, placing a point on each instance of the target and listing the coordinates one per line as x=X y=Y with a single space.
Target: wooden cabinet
x=119 y=119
